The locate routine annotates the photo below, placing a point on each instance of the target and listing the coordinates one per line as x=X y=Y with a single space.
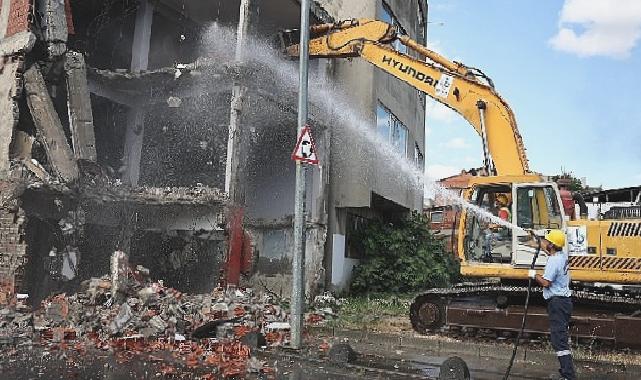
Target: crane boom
x=463 y=89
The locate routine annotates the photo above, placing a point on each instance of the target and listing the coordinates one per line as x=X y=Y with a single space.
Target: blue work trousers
x=559 y=313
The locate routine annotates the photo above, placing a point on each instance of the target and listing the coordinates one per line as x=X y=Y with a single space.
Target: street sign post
x=298 y=259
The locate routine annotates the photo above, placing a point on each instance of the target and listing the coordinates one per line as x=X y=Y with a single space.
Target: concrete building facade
x=152 y=128
x=364 y=183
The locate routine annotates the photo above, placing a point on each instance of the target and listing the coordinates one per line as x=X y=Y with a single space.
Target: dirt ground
x=380 y=356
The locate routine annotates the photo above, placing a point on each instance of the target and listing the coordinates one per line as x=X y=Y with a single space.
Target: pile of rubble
x=130 y=315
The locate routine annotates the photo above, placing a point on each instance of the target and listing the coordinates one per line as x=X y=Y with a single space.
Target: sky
x=570 y=70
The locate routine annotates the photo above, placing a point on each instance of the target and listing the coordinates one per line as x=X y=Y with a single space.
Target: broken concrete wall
x=49 y=127
x=186 y=262
x=79 y=104
x=13 y=250
x=347 y=9
x=44 y=266
x=315 y=273
x=185 y=135
x=93 y=229
x=8 y=109
x=15 y=41
x=272 y=258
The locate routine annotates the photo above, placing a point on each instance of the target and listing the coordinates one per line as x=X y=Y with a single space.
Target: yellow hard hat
x=556 y=237
x=503 y=199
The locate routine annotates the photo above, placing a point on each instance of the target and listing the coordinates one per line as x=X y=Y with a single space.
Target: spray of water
x=330 y=101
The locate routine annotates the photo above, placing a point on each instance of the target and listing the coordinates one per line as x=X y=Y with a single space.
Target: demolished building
x=120 y=130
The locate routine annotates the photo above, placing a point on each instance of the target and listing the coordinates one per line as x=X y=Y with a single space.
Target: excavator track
x=606 y=316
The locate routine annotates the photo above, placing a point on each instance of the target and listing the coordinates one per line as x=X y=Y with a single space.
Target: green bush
x=402 y=257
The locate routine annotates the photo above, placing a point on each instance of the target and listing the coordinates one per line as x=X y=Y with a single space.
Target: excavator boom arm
x=450 y=83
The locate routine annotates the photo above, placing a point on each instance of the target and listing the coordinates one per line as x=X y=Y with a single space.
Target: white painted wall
x=341 y=266
x=595 y=208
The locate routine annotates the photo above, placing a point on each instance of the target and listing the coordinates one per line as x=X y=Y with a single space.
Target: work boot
x=567 y=367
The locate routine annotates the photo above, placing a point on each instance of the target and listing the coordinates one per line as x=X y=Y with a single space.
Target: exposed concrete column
x=8 y=112
x=142 y=36
x=235 y=162
x=49 y=127
x=54 y=25
x=235 y=165
x=80 y=113
x=136 y=116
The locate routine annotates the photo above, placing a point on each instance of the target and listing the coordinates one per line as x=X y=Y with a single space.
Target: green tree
x=569 y=180
x=402 y=257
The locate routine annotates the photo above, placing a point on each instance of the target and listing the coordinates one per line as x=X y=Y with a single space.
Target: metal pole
x=298 y=284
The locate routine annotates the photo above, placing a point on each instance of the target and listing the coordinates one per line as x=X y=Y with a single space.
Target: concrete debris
x=324 y=308
x=131 y=315
x=80 y=112
x=278 y=326
x=119 y=267
x=8 y=111
x=124 y=315
x=220 y=306
x=69 y=263
x=342 y=353
x=174 y=102
x=327 y=299
x=49 y=127
x=154 y=195
x=19 y=43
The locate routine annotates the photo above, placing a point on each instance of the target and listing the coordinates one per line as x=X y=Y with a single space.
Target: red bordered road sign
x=305 y=148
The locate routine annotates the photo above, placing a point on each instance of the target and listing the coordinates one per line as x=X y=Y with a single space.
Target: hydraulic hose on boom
x=464 y=89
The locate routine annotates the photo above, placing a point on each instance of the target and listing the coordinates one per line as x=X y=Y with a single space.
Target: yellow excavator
x=601 y=251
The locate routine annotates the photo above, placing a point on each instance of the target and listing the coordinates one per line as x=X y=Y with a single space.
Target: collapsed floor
x=109 y=143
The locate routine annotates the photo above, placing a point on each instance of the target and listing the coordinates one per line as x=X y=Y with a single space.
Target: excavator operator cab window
x=487 y=239
x=538 y=208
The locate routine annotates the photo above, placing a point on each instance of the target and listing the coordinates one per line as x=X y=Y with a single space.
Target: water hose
x=527 y=304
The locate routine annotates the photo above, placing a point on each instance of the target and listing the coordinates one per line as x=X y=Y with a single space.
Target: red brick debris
x=147 y=321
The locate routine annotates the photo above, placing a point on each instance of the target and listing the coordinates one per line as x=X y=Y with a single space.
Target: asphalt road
x=374 y=361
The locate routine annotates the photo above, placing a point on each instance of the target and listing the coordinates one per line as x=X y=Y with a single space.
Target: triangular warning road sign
x=305 y=148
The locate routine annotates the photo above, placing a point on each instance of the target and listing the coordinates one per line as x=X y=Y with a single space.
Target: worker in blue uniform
x=556 y=291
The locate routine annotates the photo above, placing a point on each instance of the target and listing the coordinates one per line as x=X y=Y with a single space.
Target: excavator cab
x=538 y=207
x=485 y=240
x=487 y=243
